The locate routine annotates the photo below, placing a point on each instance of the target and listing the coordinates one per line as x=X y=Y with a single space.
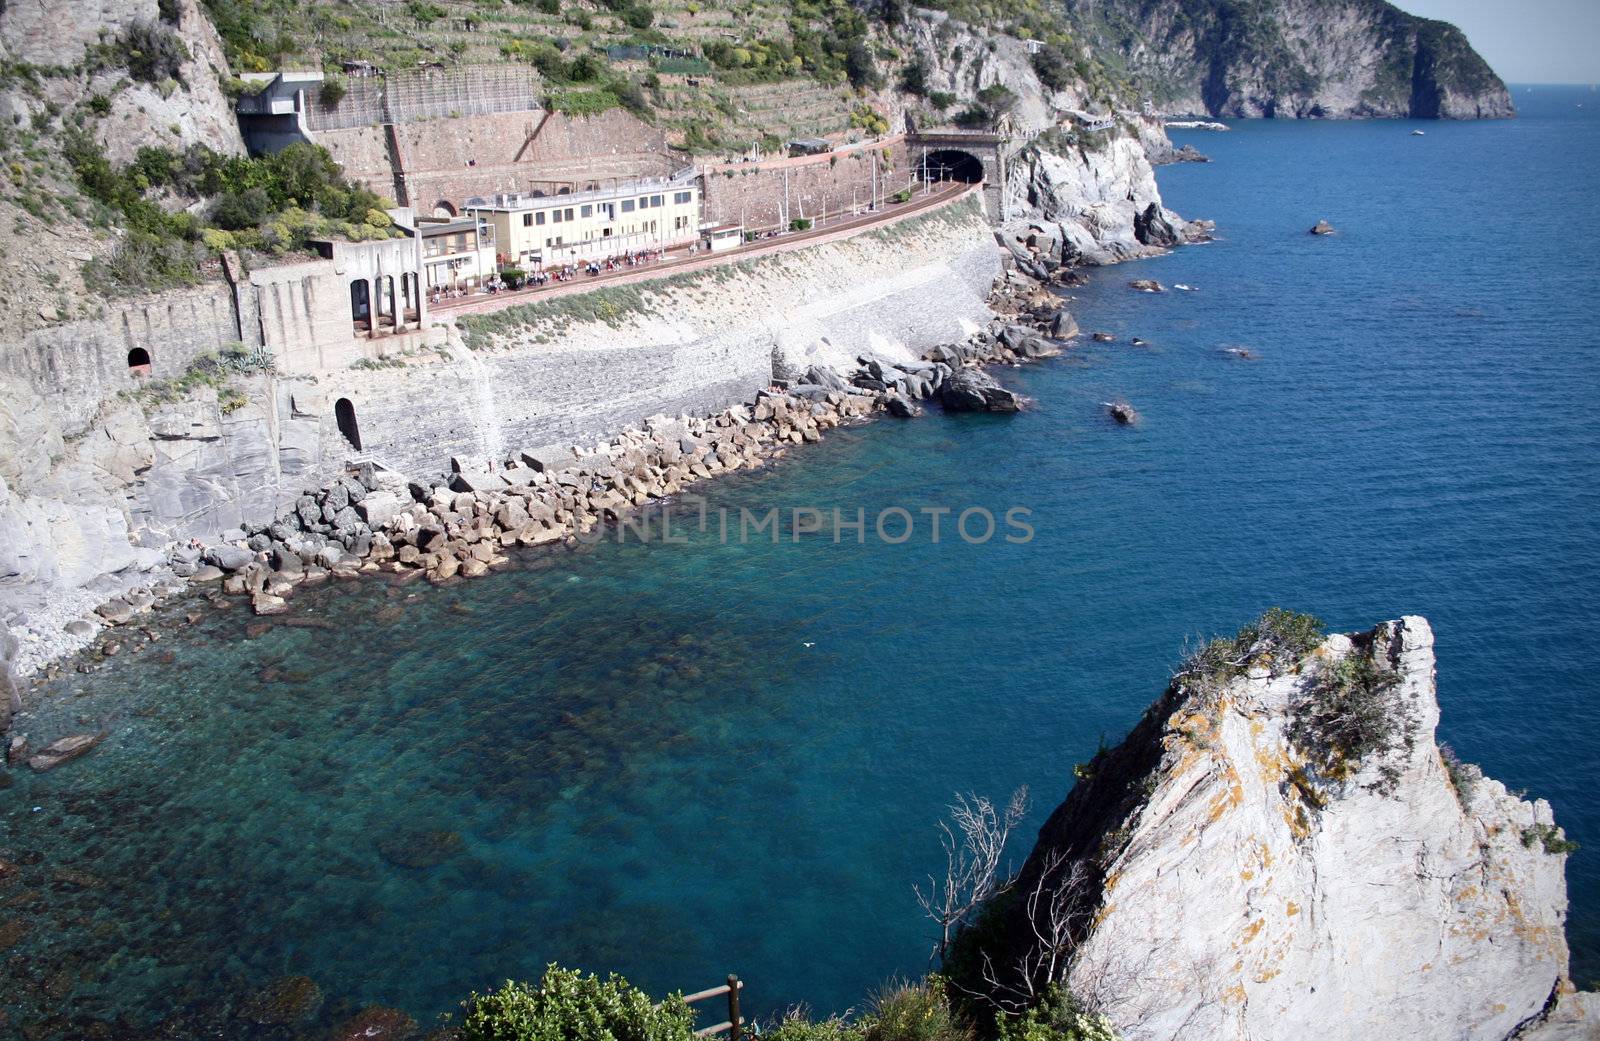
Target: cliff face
x=1331 y=59
x=1081 y=192
x=1219 y=875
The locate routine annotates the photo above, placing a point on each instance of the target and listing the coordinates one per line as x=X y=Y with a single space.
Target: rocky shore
x=462 y=523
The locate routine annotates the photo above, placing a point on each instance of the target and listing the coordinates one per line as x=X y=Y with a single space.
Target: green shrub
x=794 y=1026
x=569 y=1006
x=903 y=195
x=800 y=224
x=1058 y=1016
x=1350 y=711
x=1052 y=68
x=1549 y=836
x=583 y=102
x=154 y=52
x=1464 y=777
x=941 y=99
x=914 y=1012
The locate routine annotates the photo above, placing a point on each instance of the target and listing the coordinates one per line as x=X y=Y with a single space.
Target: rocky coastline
x=463 y=523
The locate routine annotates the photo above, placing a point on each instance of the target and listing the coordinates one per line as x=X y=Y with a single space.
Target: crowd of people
x=558 y=273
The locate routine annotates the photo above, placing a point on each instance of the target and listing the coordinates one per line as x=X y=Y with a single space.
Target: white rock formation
x=1236 y=892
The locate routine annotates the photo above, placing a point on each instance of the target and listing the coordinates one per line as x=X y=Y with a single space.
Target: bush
x=1550 y=836
x=1051 y=66
x=569 y=1006
x=941 y=99
x=332 y=92
x=903 y=195
x=639 y=16
x=153 y=52
x=800 y=224
x=914 y=1012
x=1349 y=712
x=1464 y=777
x=794 y=1026
x=1059 y=1016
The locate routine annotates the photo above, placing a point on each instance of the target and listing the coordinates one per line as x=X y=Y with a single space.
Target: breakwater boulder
x=973 y=390
x=1280 y=849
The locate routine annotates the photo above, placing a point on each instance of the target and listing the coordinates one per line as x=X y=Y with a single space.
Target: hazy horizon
x=1533 y=42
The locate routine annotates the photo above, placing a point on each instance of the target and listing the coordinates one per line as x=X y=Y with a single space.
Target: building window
x=627 y=205
x=587 y=211
x=555 y=216
x=538 y=218
x=655 y=200
x=680 y=198
x=569 y=213
x=527 y=220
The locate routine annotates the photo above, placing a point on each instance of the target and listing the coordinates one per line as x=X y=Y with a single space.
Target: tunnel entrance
x=344 y=413
x=139 y=361
x=950 y=164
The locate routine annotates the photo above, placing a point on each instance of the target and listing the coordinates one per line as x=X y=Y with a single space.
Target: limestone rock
x=1235 y=886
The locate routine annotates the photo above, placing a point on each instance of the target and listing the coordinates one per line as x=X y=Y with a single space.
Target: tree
x=859 y=66
x=1052 y=68
x=972 y=873
x=914 y=78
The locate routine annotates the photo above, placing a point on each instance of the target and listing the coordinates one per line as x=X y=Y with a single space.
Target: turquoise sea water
x=682 y=761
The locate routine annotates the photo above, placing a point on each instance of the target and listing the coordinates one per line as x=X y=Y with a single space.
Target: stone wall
x=80 y=364
x=450 y=160
x=699 y=343
x=753 y=193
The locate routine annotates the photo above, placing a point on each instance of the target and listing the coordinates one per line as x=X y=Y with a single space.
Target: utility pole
x=783 y=217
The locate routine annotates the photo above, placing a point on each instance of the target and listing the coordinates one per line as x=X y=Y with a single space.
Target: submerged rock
x=283 y=1002
x=1322 y=227
x=376 y=1024
x=58 y=753
x=1147 y=285
x=1279 y=850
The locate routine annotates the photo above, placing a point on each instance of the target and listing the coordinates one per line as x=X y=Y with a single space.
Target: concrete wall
x=80 y=364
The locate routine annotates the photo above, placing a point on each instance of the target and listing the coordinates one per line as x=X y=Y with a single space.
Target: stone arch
x=951 y=164
x=139 y=362
x=344 y=414
x=445 y=208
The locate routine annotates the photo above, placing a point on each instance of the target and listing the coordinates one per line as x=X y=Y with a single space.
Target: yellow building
x=533 y=231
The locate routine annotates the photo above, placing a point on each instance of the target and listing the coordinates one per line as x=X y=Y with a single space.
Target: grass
x=215 y=370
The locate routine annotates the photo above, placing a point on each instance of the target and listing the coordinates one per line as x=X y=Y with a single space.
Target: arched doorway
x=444 y=208
x=360 y=304
x=951 y=164
x=139 y=362
x=344 y=413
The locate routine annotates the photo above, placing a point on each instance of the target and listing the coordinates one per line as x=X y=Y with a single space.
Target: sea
x=677 y=761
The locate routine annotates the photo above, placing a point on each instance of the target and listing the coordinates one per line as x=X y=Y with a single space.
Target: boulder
x=899 y=407
x=229 y=558
x=973 y=390
x=65 y=750
x=477 y=481
x=379 y=508
x=1147 y=285
x=1322 y=227
x=265 y=603
x=1153 y=226
x=1063 y=326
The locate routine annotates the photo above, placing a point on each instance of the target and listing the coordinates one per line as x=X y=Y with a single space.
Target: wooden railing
x=734 y=1025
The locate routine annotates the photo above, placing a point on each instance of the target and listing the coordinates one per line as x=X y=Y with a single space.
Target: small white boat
x=1418 y=133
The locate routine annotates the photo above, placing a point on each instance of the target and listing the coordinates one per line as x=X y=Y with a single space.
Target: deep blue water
x=681 y=761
